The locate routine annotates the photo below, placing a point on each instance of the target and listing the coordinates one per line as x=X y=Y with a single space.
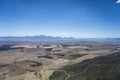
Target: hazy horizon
x=64 y=18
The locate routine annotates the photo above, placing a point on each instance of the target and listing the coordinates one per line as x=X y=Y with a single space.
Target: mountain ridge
x=45 y=37
x=40 y=37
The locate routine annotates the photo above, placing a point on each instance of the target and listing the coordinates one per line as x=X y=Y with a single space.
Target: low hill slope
x=99 y=68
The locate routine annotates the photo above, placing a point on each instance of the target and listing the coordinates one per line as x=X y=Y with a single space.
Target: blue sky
x=76 y=18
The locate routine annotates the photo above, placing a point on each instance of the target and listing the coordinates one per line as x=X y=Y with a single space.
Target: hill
x=99 y=68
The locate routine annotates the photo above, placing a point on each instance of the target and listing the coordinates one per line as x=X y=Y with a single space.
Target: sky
x=65 y=18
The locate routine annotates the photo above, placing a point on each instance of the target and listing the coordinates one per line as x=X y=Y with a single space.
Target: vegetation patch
x=48 y=49
x=2 y=78
x=5 y=47
x=59 y=55
x=73 y=56
x=3 y=65
x=58 y=75
x=45 y=56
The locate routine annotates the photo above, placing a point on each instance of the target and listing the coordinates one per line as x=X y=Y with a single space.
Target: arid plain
x=39 y=60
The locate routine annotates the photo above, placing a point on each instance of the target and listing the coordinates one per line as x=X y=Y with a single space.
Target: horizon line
x=59 y=36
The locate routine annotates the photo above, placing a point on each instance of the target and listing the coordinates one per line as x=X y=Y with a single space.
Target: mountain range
x=34 y=38
x=44 y=37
